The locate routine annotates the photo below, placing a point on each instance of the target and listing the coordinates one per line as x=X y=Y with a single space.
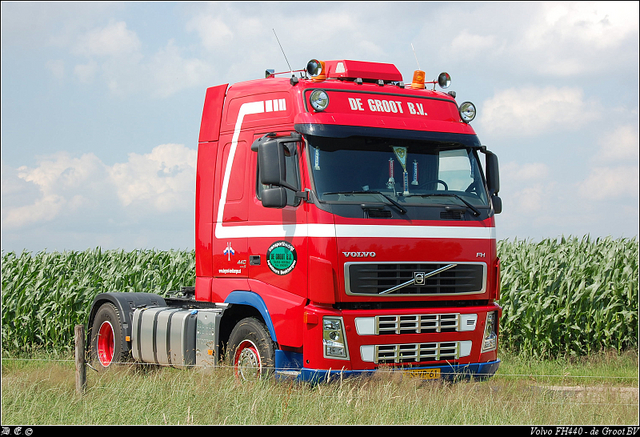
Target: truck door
x=230 y=251
x=278 y=253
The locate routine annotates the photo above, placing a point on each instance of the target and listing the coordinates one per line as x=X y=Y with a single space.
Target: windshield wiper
x=393 y=202
x=475 y=210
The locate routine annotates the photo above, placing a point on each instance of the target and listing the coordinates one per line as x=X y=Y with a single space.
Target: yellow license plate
x=423 y=373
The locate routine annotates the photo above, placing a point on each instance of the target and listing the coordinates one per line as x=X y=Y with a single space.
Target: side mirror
x=274 y=197
x=493 y=173
x=271 y=161
x=493 y=179
x=497 y=204
x=272 y=167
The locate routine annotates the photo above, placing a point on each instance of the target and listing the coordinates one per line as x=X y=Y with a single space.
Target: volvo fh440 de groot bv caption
x=344 y=225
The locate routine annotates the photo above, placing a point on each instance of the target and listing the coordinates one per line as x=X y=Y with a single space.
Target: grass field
x=524 y=392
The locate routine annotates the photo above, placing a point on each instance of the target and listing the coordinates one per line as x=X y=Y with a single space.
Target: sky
x=102 y=102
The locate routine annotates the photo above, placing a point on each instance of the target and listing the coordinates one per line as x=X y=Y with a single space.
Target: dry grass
x=42 y=392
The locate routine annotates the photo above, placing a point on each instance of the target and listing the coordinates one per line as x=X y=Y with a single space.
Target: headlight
x=467 y=112
x=490 y=341
x=334 y=342
x=319 y=100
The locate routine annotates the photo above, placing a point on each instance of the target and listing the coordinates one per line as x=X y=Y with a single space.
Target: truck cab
x=356 y=210
x=345 y=224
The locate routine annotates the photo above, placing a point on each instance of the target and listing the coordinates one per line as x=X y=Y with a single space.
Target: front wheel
x=107 y=347
x=251 y=351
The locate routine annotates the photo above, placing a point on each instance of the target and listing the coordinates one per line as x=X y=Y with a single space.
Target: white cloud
x=74 y=188
x=33 y=24
x=170 y=72
x=471 y=45
x=64 y=184
x=86 y=72
x=112 y=40
x=549 y=39
x=570 y=38
x=114 y=55
x=530 y=199
x=213 y=31
x=240 y=41
x=620 y=182
x=43 y=209
x=527 y=186
x=535 y=111
x=163 y=179
x=619 y=145
x=513 y=171
x=600 y=25
x=615 y=171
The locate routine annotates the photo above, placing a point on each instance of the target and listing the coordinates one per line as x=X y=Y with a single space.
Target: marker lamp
x=490 y=341
x=334 y=342
x=319 y=100
x=467 y=112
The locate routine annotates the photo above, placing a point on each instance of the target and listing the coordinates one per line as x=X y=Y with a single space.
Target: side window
x=293 y=178
x=455 y=169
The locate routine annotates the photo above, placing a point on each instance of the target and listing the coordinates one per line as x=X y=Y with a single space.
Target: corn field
x=45 y=295
x=568 y=296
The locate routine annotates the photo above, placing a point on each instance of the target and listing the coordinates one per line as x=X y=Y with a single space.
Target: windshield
x=411 y=173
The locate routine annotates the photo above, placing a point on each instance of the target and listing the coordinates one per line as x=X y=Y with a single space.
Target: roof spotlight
x=444 y=80
x=315 y=69
x=467 y=112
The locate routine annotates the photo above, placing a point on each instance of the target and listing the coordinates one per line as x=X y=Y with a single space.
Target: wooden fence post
x=81 y=370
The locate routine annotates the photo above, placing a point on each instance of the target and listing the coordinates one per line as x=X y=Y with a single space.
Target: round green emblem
x=281 y=257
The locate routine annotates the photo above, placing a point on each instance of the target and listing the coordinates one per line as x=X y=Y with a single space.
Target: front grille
x=398 y=279
x=417 y=324
x=416 y=352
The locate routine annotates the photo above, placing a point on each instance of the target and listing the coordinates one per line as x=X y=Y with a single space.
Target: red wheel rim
x=247 y=362
x=106 y=344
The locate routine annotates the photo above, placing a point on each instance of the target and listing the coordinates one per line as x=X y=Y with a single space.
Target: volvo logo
x=419 y=278
x=359 y=254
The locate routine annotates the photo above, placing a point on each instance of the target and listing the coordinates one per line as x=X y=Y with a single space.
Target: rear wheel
x=251 y=351
x=107 y=348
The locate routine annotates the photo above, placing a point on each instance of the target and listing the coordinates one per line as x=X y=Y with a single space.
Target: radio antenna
x=283 y=53
x=416 y=56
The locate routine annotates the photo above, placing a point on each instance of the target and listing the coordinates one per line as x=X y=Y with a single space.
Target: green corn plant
x=44 y=295
x=569 y=296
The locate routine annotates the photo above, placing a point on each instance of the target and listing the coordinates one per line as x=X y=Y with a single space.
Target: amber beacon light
x=418 y=80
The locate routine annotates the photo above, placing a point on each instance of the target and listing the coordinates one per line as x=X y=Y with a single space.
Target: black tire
x=250 y=350
x=108 y=347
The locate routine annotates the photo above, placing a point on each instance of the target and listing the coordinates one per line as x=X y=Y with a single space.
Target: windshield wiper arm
x=475 y=210
x=393 y=202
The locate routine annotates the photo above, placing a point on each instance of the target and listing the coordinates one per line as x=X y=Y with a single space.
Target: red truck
x=344 y=224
